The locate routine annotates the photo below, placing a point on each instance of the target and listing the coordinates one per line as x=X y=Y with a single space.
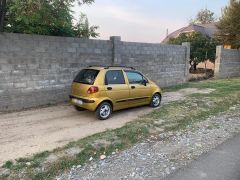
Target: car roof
x=111 y=67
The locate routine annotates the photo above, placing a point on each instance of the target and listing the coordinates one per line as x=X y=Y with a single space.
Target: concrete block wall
x=227 y=63
x=38 y=70
x=165 y=64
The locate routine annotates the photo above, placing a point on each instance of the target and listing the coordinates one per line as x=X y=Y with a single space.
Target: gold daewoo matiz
x=107 y=89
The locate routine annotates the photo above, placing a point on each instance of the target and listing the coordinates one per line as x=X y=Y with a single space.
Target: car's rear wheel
x=156 y=100
x=104 y=111
x=79 y=108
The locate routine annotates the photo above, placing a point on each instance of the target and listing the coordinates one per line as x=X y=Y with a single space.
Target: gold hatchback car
x=107 y=89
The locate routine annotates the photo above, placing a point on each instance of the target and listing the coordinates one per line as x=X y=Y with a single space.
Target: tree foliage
x=39 y=17
x=202 y=47
x=83 y=29
x=229 y=25
x=80 y=2
x=45 y=17
x=204 y=16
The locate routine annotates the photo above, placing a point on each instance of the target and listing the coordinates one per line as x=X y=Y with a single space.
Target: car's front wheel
x=156 y=100
x=104 y=111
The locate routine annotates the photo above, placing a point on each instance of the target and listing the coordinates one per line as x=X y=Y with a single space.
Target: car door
x=140 y=89
x=116 y=88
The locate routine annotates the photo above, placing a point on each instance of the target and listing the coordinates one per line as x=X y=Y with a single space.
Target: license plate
x=77 y=101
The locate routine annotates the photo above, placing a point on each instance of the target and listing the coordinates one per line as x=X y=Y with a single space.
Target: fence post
x=116 y=54
x=187 y=46
x=218 y=62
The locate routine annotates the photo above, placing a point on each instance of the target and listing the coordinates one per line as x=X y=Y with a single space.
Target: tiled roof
x=206 y=29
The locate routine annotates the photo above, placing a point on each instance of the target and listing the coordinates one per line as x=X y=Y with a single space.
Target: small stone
x=102 y=157
x=195 y=105
x=167 y=170
x=133 y=174
x=28 y=164
x=4 y=172
x=79 y=166
x=198 y=145
x=91 y=158
x=113 y=153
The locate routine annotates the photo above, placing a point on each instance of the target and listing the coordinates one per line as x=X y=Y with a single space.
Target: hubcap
x=156 y=100
x=105 y=111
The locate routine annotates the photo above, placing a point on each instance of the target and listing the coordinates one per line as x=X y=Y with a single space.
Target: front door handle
x=109 y=88
x=133 y=87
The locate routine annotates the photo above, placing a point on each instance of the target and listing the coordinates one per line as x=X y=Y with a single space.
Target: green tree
x=204 y=16
x=202 y=47
x=229 y=25
x=39 y=17
x=83 y=29
x=45 y=17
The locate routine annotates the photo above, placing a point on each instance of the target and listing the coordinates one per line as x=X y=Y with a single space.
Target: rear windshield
x=86 y=76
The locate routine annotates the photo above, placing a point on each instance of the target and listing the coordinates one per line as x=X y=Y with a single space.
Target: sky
x=144 y=20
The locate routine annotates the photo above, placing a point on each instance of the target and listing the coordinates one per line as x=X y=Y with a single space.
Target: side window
x=114 y=77
x=134 y=77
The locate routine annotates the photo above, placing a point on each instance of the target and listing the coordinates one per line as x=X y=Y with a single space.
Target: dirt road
x=32 y=131
x=28 y=132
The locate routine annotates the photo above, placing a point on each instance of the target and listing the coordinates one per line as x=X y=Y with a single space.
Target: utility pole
x=2 y=13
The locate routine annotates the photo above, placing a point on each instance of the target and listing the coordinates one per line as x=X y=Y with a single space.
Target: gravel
x=162 y=154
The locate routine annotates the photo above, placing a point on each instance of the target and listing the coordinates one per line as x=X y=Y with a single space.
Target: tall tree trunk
x=2 y=14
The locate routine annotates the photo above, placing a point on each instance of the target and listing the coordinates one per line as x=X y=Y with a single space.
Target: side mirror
x=144 y=82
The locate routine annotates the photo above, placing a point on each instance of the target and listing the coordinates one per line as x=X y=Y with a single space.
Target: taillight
x=92 y=89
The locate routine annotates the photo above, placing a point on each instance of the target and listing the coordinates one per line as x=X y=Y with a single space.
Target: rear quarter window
x=114 y=77
x=86 y=76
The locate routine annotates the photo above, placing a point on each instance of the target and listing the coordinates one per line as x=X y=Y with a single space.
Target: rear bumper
x=83 y=100
x=88 y=104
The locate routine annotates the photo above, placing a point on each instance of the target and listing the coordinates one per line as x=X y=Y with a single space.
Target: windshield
x=86 y=76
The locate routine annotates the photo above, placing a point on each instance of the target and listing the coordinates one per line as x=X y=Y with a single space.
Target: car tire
x=79 y=108
x=156 y=100
x=104 y=111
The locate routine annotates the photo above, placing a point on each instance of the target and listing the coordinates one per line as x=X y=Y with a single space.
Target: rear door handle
x=133 y=87
x=109 y=88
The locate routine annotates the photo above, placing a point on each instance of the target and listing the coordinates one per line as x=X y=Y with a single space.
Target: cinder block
x=6 y=67
x=71 y=50
x=20 y=85
x=40 y=49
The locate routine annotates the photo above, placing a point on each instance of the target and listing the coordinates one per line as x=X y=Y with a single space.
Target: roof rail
x=107 y=67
